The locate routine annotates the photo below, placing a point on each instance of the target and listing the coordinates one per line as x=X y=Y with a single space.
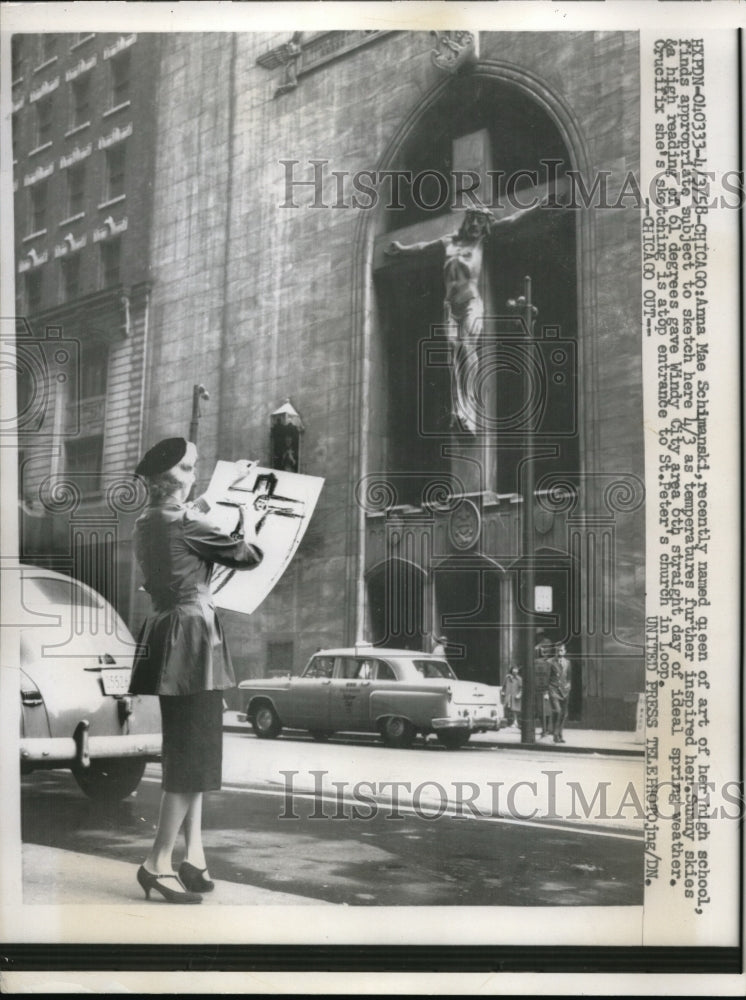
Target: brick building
x=82 y=119
x=271 y=212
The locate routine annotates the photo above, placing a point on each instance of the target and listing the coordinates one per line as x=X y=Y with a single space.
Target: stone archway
x=397 y=604
x=474 y=610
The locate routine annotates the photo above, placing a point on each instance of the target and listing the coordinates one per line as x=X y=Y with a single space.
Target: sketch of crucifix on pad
x=276 y=506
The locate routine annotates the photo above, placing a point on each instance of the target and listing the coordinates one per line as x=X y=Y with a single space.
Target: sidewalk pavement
x=600 y=741
x=53 y=876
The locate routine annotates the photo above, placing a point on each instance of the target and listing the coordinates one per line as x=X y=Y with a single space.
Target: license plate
x=116 y=681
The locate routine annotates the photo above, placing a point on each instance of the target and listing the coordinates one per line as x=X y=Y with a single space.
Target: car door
x=350 y=694
x=309 y=696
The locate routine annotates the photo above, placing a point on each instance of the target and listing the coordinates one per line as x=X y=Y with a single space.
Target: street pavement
x=54 y=876
x=578 y=740
x=79 y=877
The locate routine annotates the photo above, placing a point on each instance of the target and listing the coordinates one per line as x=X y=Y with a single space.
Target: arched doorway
x=396 y=605
x=474 y=610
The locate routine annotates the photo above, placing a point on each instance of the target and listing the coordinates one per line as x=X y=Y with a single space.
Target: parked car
x=395 y=692
x=76 y=660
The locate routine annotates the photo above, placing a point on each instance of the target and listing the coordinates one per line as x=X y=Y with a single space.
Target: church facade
x=285 y=168
x=285 y=223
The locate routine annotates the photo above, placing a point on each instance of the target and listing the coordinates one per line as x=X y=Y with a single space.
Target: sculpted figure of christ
x=463 y=307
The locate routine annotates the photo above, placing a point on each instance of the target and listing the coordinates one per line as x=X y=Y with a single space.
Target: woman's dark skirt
x=192 y=754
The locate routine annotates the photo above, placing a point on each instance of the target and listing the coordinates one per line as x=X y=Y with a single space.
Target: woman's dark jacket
x=181 y=645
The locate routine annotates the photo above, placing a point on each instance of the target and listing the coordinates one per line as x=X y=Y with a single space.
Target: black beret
x=162 y=457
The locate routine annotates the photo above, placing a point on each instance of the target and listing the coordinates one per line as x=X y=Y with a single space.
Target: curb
x=503 y=743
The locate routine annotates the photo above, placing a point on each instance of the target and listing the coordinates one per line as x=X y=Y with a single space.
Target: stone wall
x=260 y=302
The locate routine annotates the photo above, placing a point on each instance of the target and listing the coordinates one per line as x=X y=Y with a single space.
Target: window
x=120 y=78
x=115 y=171
x=111 y=260
x=320 y=666
x=279 y=657
x=434 y=668
x=33 y=291
x=16 y=126
x=76 y=189
x=38 y=196
x=70 y=275
x=81 y=99
x=16 y=57
x=94 y=365
x=43 y=121
x=48 y=47
x=83 y=463
x=64 y=592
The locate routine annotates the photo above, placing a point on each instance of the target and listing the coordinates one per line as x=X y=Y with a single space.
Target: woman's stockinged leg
x=173 y=811
x=195 y=852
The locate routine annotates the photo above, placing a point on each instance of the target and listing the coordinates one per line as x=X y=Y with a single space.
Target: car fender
x=419 y=705
x=269 y=696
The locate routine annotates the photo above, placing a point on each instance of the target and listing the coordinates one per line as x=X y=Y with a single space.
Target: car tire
x=319 y=736
x=398 y=732
x=109 y=780
x=453 y=740
x=264 y=720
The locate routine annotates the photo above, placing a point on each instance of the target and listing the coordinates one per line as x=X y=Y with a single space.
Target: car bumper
x=465 y=724
x=81 y=748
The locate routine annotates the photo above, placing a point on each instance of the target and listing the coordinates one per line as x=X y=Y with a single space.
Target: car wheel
x=110 y=780
x=453 y=740
x=397 y=732
x=265 y=721
x=319 y=736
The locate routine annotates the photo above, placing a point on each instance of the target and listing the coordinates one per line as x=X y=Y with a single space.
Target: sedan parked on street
x=76 y=660
x=394 y=692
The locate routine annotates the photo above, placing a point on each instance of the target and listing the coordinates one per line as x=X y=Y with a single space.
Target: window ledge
x=73 y=218
x=82 y=41
x=40 y=149
x=112 y=201
x=45 y=65
x=78 y=128
x=118 y=107
x=33 y=236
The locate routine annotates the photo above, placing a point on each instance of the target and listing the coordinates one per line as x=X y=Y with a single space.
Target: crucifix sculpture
x=463 y=307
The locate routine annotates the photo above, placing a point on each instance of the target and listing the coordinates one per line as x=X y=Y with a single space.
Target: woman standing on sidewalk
x=182 y=658
x=511 y=696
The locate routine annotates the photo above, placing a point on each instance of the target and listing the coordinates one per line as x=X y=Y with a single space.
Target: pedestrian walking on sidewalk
x=542 y=710
x=559 y=691
x=182 y=658
x=511 y=696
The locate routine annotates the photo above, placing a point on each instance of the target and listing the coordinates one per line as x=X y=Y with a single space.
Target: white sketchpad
x=281 y=504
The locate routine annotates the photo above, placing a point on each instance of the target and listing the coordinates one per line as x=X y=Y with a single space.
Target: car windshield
x=434 y=668
x=62 y=592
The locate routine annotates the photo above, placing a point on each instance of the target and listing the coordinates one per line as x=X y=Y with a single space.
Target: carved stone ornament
x=286 y=55
x=464 y=526
x=455 y=50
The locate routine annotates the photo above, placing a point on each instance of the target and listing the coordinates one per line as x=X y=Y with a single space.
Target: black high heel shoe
x=194 y=878
x=150 y=881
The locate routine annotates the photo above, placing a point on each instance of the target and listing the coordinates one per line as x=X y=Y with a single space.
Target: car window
x=349 y=667
x=320 y=666
x=64 y=592
x=385 y=672
x=434 y=668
